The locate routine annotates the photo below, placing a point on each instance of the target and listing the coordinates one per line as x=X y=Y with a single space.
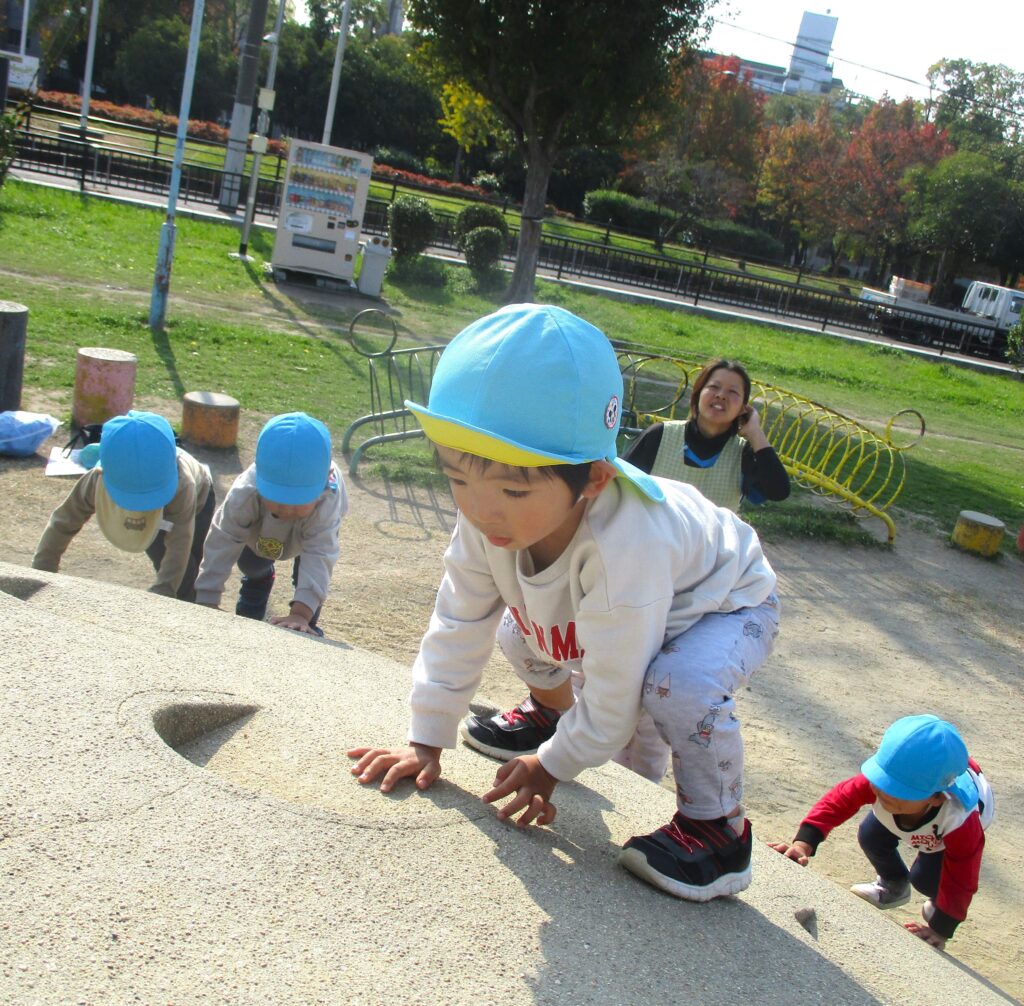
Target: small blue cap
x=293 y=459
x=920 y=756
x=139 y=459
x=530 y=385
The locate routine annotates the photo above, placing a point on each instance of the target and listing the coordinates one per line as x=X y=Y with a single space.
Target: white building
x=809 y=68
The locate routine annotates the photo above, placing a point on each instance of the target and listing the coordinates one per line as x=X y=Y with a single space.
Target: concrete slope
x=178 y=825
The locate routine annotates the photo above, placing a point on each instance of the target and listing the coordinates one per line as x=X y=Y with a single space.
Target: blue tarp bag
x=22 y=433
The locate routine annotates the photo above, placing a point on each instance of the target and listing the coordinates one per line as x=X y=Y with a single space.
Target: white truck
x=987 y=313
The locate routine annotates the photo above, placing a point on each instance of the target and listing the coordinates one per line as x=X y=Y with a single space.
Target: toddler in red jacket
x=926 y=793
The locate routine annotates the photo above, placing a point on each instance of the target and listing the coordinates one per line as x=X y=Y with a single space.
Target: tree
x=980 y=105
x=959 y=208
x=699 y=151
x=892 y=139
x=559 y=72
x=798 y=183
x=467 y=118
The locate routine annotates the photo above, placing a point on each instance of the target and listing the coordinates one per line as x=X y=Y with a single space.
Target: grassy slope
x=85 y=269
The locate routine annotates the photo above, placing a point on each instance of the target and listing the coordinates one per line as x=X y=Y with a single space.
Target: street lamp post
x=90 y=52
x=339 y=54
x=165 y=254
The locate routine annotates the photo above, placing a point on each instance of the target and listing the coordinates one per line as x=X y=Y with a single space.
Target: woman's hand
x=419 y=760
x=749 y=427
x=533 y=786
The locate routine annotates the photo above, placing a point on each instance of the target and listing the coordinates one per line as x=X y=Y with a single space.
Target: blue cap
x=920 y=756
x=293 y=459
x=139 y=459
x=530 y=385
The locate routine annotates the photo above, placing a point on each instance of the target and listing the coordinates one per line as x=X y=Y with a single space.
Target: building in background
x=809 y=67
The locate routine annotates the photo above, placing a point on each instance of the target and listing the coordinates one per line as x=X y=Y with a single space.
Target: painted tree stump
x=209 y=419
x=978 y=532
x=104 y=384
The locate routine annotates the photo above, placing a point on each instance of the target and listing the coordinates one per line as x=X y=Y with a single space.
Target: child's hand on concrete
x=927 y=934
x=799 y=852
x=418 y=760
x=291 y=621
x=533 y=786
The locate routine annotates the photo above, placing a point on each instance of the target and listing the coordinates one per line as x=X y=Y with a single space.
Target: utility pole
x=339 y=54
x=241 y=114
x=90 y=52
x=25 y=4
x=165 y=254
x=259 y=141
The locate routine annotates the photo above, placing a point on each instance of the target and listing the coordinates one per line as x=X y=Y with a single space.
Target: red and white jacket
x=951 y=829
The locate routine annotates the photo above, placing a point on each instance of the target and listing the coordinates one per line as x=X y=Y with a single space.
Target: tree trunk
x=538 y=172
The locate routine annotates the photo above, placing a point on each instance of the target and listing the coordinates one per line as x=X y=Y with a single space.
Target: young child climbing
x=927 y=794
x=524 y=413
x=148 y=495
x=722 y=451
x=288 y=503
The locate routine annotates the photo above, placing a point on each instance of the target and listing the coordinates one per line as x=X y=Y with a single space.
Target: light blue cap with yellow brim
x=530 y=385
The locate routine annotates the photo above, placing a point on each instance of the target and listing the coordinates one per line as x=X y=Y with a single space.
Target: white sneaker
x=883 y=893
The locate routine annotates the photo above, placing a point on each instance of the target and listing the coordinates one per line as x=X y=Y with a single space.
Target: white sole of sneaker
x=866 y=892
x=729 y=883
x=502 y=754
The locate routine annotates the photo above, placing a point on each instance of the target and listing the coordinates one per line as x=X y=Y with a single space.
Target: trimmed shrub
x=411 y=222
x=486 y=180
x=483 y=247
x=641 y=216
x=737 y=239
x=476 y=215
x=400 y=159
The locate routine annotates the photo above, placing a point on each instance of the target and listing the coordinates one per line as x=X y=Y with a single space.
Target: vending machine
x=322 y=206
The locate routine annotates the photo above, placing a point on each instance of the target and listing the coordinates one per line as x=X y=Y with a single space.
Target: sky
x=900 y=37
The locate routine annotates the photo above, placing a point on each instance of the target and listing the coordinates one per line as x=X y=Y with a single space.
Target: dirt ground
x=868 y=635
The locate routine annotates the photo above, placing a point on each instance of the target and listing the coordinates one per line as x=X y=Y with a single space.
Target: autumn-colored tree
x=799 y=179
x=893 y=139
x=698 y=151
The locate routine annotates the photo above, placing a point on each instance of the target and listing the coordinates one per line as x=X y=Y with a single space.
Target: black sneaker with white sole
x=694 y=860
x=519 y=731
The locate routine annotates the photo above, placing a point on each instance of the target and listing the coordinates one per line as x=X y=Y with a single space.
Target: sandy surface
x=868 y=635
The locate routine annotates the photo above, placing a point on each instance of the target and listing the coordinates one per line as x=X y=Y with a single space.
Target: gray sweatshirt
x=244 y=518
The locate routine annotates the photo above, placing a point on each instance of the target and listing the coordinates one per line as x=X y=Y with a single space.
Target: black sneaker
x=507 y=735
x=695 y=860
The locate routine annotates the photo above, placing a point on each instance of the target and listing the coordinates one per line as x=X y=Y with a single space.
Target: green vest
x=720 y=483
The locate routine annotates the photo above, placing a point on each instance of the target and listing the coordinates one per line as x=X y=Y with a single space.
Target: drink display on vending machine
x=322 y=206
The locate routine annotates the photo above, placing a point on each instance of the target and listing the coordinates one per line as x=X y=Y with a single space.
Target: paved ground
x=178 y=826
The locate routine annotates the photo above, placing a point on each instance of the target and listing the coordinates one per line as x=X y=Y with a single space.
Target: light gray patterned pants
x=688 y=703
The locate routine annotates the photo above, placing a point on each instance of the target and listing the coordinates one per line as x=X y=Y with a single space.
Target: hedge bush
x=605 y=206
x=476 y=215
x=738 y=239
x=411 y=222
x=483 y=247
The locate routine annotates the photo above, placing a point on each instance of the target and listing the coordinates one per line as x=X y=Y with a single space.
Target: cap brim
x=887 y=784
x=448 y=432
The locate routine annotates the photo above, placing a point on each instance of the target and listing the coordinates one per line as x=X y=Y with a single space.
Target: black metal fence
x=102 y=166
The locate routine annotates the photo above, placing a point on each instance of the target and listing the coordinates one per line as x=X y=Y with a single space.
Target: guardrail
x=824 y=451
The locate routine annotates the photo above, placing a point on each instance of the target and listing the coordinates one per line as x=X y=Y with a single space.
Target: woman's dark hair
x=575 y=477
x=705 y=375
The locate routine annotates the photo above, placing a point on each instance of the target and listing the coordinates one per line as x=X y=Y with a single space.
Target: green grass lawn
x=84 y=267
